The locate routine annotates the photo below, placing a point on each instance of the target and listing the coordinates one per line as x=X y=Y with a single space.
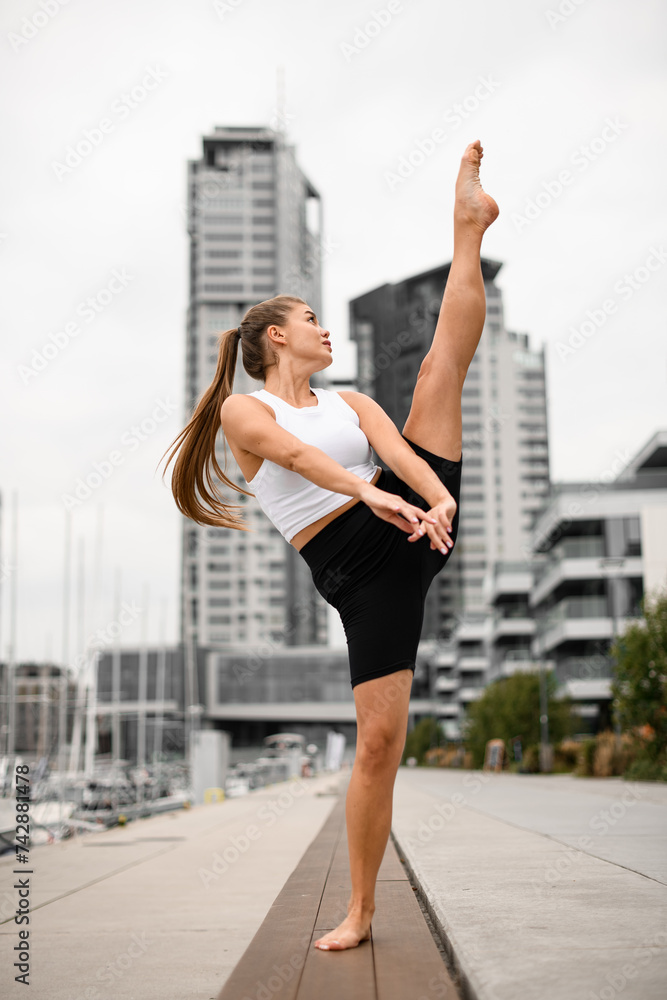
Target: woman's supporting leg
x=382 y=719
x=434 y=421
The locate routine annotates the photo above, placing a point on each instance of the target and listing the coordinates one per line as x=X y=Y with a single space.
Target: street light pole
x=613 y=563
x=545 y=755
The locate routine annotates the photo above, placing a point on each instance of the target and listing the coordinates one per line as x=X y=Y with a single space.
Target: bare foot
x=473 y=206
x=348 y=934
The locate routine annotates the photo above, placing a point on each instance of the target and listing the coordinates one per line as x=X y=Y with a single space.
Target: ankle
x=467 y=230
x=362 y=911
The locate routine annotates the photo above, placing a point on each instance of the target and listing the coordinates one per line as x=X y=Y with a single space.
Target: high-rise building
x=505 y=475
x=255 y=226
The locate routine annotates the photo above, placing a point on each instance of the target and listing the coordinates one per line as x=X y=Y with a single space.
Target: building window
x=219 y=289
x=227 y=220
x=224 y=237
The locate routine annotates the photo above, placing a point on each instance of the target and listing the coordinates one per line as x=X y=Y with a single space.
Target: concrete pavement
x=545 y=887
x=164 y=907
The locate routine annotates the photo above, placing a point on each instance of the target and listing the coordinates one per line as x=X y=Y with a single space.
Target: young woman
x=306 y=455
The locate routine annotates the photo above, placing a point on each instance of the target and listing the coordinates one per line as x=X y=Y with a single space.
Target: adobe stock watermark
x=445 y=811
x=225 y=7
x=107 y=634
x=562 y=517
x=601 y=823
x=565 y=9
x=421 y=324
x=643 y=955
x=6 y=569
x=256 y=659
x=297 y=279
x=364 y=34
x=454 y=117
x=32 y=24
x=267 y=814
x=114 y=970
x=581 y=159
x=121 y=109
x=130 y=441
x=87 y=310
x=624 y=290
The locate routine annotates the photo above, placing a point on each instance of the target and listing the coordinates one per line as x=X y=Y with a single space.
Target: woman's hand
x=439 y=532
x=394 y=509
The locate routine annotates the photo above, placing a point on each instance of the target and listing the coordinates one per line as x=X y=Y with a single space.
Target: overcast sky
x=570 y=108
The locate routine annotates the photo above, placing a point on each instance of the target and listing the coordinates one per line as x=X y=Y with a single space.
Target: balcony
x=472 y=628
x=508 y=667
x=587 y=606
x=582 y=567
x=448 y=711
x=473 y=663
x=468 y=694
x=583 y=668
x=444 y=684
x=578 y=618
x=587 y=690
x=445 y=658
x=513 y=621
x=513 y=577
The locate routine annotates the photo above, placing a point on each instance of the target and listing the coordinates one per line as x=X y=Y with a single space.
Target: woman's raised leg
x=382 y=706
x=434 y=421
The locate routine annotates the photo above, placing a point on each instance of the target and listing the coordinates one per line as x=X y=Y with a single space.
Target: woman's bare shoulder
x=359 y=401
x=239 y=403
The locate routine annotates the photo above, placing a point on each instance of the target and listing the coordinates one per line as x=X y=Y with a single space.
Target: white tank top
x=289 y=500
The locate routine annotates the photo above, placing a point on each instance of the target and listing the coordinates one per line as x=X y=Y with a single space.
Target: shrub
x=531 y=759
x=427 y=734
x=566 y=755
x=645 y=769
x=639 y=687
x=511 y=706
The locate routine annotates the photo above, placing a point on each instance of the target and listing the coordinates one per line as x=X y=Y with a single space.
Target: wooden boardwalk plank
x=408 y=963
x=285 y=935
x=338 y=975
x=400 y=961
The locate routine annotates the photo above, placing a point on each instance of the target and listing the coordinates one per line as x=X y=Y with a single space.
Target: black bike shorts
x=376 y=579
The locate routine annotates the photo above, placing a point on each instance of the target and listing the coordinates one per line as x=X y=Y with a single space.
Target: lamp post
x=615 y=564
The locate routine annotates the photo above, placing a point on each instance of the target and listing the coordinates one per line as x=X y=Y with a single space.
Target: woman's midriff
x=311 y=530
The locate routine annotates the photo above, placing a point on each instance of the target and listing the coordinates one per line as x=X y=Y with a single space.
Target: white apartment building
x=604 y=547
x=255 y=227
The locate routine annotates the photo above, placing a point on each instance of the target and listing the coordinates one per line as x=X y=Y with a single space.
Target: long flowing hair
x=193 y=481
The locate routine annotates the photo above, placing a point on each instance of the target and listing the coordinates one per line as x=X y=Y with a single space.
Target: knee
x=379 y=748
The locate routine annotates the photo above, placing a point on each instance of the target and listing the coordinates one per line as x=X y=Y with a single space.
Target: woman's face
x=304 y=338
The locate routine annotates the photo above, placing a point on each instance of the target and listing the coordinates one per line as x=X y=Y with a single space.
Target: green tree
x=426 y=734
x=511 y=707
x=639 y=687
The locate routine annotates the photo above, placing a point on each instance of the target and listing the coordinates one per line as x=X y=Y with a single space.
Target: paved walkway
x=164 y=907
x=546 y=887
